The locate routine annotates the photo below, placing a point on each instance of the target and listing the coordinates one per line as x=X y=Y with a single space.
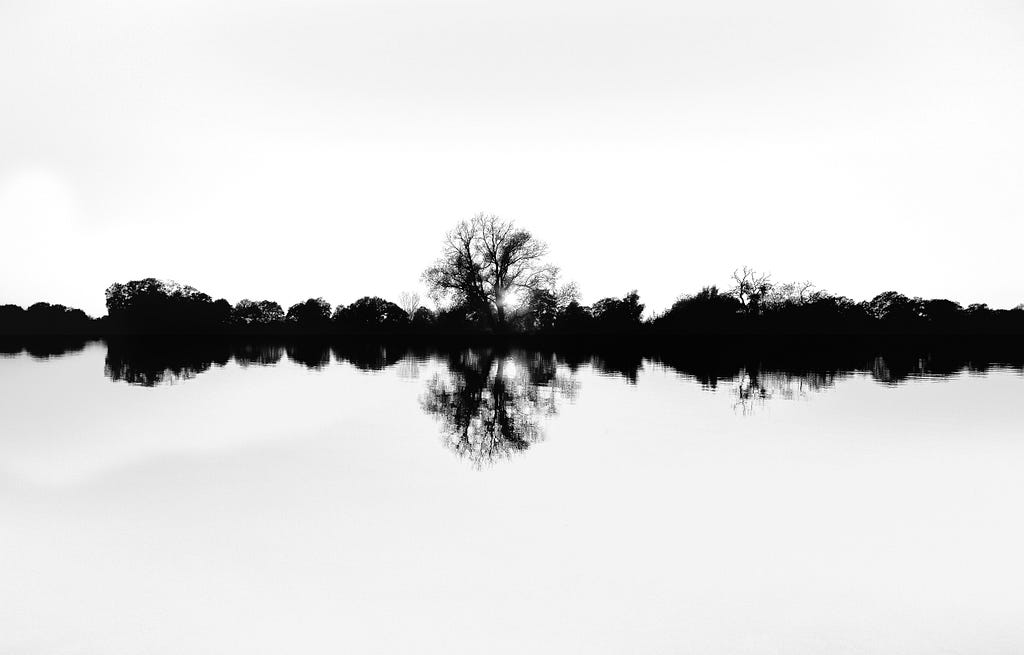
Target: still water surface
x=302 y=500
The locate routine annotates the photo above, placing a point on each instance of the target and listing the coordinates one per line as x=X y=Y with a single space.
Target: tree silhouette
x=618 y=315
x=42 y=318
x=409 y=301
x=491 y=405
x=371 y=314
x=490 y=267
x=263 y=312
x=150 y=363
x=164 y=307
x=310 y=315
x=750 y=288
x=423 y=319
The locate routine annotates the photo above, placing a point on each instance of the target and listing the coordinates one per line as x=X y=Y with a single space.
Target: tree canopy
x=490 y=266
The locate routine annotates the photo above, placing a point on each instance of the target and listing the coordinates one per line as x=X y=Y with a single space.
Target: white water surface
x=280 y=509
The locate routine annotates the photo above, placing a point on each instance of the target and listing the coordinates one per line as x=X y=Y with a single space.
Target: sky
x=279 y=150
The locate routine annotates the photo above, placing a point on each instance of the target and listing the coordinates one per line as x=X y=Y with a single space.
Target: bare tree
x=790 y=293
x=490 y=265
x=750 y=288
x=409 y=301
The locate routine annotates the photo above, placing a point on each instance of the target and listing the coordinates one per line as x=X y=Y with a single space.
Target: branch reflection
x=491 y=405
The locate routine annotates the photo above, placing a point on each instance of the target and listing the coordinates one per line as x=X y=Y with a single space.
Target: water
x=269 y=499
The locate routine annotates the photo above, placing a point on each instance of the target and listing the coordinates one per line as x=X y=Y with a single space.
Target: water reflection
x=266 y=459
x=752 y=388
x=42 y=348
x=145 y=364
x=151 y=363
x=492 y=402
x=770 y=374
x=369 y=356
x=751 y=375
x=257 y=354
x=491 y=405
x=311 y=355
x=755 y=373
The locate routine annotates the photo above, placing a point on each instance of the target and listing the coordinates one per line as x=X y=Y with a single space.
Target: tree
x=750 y=288
x=491 y=267
x=409 y=301
x=314 y=313
x=44 y=318
x=616 y=315
x=423 y=318
x=894 y=307
x=491 y=406
x=707 y=311
x=789 y=294
x=159 y=306
x=263 y=312
x=941 y=311
x=544 y=307
x=575 y=319
x=541 y=311
x=371 y=314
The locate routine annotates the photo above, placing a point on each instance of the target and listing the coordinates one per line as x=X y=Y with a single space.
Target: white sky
x=286 y=150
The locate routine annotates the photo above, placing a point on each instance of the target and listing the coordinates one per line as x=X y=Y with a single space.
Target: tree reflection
x=752 y=387
x=369 y=356
x=310 y=354
x=257 y=354
x=491 y=405
x=42 y=348
x=150 y=363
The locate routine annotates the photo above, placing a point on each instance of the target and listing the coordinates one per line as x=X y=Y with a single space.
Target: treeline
x=42 y=318
x=753 y=306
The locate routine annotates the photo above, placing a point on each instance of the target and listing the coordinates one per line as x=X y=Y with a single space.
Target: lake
x=297 y=498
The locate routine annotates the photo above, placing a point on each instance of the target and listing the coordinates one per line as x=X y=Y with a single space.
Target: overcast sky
x=286 y=150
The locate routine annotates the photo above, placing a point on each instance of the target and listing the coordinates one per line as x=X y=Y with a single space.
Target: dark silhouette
x=492 y=401
x=615 y=315
x=313 y=316
x=371 y=315
x=491 y=404
x=260 y=314
x=41 y=347
x=707 y=311
x=310 y=354
x=493 y=283
x=150 y=363
x=155 y=307
x=42 y=318
x=154 y=361
x=152 y=306
x=491 y=268
x=369 y=356
x=257 y=354
x=157 y=360
x=750 y=288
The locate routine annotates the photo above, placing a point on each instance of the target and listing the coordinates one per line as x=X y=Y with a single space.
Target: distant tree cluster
x=755 y=304
x=43 y=318
x=153 y=306
x=493 y=278
x=158 y=306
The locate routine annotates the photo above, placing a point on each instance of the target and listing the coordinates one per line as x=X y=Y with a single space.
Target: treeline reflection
x=153 y=362
x=150 y=364
x=492 y=402
x=44 y=348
